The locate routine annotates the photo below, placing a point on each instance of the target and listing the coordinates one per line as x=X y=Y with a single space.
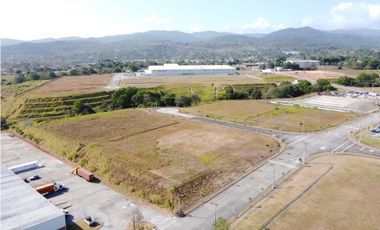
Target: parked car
x=35 y=177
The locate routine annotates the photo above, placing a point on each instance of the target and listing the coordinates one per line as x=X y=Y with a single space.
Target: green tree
x=80 y=108
x=305 y=86
x=347 y=81
x=255 y=94
x=19 y=79
x=168 y=99
x=183 y=101
x=73 y=72
x=51 y=75
x=323 y=85
x=122 y=98
x=133 y=67
x=33 y=76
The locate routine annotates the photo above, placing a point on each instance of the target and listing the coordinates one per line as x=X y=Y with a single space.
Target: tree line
x=362 y=80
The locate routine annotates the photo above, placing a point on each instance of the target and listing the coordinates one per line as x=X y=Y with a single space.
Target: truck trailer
x=49 y=188
x=83 y=173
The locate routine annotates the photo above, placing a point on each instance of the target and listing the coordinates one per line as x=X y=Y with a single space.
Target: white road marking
x=347 y=147
x=339 y=146
x=362 y=149
x=299 y=140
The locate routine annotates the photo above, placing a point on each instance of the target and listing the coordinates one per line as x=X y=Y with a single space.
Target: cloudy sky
x=35 y=19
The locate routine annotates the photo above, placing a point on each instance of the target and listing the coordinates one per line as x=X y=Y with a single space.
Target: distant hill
x=9 y=41
x=163 y=45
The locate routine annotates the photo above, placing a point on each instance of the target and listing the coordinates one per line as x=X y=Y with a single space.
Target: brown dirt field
x=72 y=85
x=313 y=75
x=279 y=117
x=348 y=72
x=344 y=199
x=139 y=150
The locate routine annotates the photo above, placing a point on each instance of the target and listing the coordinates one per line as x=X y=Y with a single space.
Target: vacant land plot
x=334 y=103
x=267 y=115
x=149 y=154
x=343 y=199
x=147 y=82
x=207 y=87
x=72 y=85
x=314 y=75
x=369 y=138
x=347 y=72
x=277 y=78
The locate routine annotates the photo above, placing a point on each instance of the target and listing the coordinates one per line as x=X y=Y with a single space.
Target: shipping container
x=47 y=188
x=83 y=173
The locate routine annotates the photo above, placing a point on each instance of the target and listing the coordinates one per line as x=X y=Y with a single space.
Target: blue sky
x=34 y=19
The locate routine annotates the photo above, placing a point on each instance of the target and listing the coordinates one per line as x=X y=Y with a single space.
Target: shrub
x=183 y=101
x=80 y=108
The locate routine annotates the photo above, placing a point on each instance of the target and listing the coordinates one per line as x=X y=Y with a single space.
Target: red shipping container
x=43 y=189
x=85 y=174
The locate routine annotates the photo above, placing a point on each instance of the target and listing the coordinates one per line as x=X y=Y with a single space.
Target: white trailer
x=24 y=166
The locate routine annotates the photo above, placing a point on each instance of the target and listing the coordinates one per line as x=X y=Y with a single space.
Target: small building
x=267 y=71
x=188 y=70
x=22 y=207
x=306 y=64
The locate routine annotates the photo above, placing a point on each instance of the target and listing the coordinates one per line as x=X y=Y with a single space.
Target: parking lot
x=81 y=198
x=343 y=103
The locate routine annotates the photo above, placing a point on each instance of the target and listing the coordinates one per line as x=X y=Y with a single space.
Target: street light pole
x=274 y=177
x=304 y=155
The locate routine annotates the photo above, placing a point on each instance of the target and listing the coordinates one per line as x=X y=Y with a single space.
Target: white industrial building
x=180 y=70
x=306 y=64
x=24 y=208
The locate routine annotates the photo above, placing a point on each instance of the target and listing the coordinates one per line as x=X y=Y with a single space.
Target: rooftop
x=21 y=206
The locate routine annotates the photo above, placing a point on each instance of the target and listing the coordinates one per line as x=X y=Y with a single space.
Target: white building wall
x=56 y=223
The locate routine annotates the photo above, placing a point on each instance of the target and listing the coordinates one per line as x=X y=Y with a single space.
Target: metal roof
x=189 y=67
x=21 y=206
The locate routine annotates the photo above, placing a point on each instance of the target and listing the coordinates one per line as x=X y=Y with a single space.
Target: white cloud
x=261 y=24
x=349 y=15
x=197 y=27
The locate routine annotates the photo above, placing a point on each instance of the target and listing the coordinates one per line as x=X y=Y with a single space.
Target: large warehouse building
x=180 y=70
x=24 y=208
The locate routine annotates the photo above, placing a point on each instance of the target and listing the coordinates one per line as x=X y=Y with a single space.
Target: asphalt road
x=230 y=202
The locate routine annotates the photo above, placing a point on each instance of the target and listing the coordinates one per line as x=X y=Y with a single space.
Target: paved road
x=230 y=202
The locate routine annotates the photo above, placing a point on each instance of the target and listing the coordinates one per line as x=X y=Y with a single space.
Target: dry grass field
x=347 y=72
x=72 y=85
x=11 y=95
x=147 y=82
x=345 y=198
x=147 y=154
x=267 y=115
x=202 y=86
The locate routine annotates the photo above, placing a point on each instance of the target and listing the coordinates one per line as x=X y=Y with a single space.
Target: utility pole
x=304 y=155
x=274 y=177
